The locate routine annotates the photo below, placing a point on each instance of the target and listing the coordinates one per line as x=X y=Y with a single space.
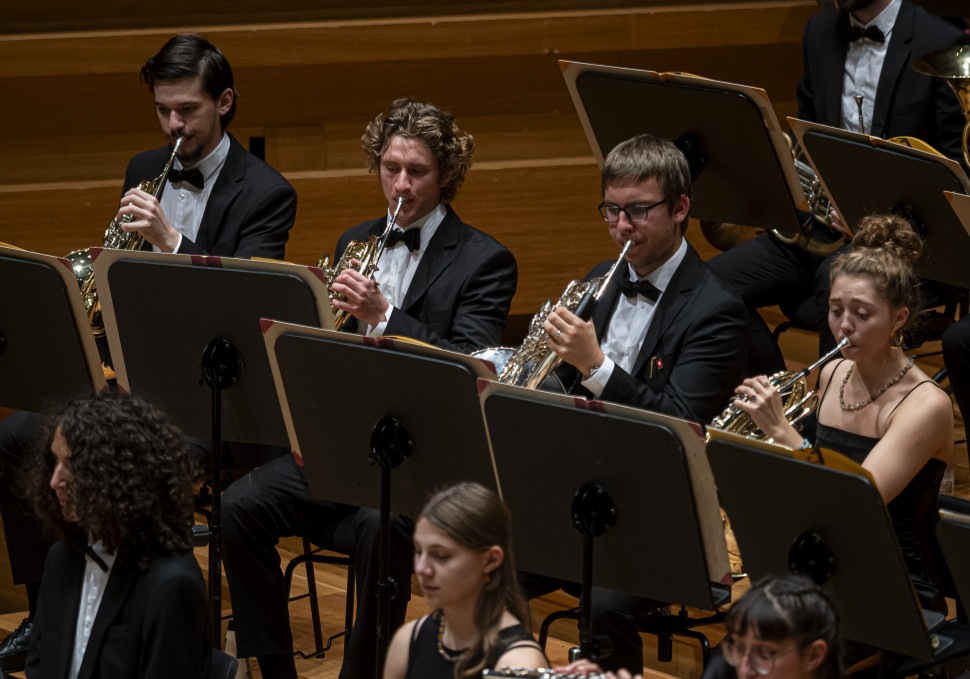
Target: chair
x=221 y=665
x=662 y=623
x=309 y=557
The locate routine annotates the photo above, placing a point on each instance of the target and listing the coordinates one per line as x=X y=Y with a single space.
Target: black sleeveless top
x=913 y=511
x=425 y=662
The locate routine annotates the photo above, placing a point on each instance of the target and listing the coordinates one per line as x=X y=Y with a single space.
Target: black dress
x=913 y=511
x=426 y=662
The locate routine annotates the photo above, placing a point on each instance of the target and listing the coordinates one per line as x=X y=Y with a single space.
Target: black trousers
x=956 y=357
x=614 y=614
x=26 y=544
x=274 y=501
x=765 y=272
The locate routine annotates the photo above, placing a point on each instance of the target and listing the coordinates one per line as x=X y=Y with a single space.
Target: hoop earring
x=896 y=338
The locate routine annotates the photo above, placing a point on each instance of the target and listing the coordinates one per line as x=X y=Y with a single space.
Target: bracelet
x=805 y=444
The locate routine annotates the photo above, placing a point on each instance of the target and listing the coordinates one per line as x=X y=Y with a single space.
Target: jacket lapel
x=831 y=54
x=898 y=54
x=671 y=302
x=115 y=595
x=605 y=308
x=435 y=260
x=72 y=604
x=228 y=185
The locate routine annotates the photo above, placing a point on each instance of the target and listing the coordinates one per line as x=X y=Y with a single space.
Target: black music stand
x=643 y=475
x=183 y=329
x=404 y=407
x=47 y=350
x=953 y=534
x=794 y=515
x=865 y=175
x=742 y=163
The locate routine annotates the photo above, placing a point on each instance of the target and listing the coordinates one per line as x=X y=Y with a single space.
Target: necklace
x=445 y=652
x=872 y=397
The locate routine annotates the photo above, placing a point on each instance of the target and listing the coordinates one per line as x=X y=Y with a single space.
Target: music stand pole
x=220 y=370
x=391 y=445
x=594 y=513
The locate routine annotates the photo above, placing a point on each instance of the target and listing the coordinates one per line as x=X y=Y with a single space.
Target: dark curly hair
x=132 y=478
x=411 y=119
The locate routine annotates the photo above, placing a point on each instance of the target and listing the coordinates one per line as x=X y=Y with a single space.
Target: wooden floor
x=799 y=349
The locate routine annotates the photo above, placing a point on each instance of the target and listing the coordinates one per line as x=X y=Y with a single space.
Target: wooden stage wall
x=310 y=79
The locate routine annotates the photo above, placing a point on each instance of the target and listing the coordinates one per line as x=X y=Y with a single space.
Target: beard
x=853 y=5
x=188 y=158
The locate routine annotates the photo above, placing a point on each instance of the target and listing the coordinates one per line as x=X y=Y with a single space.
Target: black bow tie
x=641 y=287
x=411 y=238
x=858 y=33
x=193 y=177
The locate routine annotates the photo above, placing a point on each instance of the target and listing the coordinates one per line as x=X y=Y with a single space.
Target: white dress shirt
x=183 y=204
x=630 y=321
x=863 y=66
x=92 y=592
x=398 y=264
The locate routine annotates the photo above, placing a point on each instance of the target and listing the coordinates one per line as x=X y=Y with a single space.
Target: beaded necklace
x=445 y=652
x=872 y=397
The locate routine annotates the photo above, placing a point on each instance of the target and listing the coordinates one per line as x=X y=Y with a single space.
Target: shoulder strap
x=418 y=624
x=831 y=379
x=906 y=396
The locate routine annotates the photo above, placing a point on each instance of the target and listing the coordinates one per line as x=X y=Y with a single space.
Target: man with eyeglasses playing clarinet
x=667 y=335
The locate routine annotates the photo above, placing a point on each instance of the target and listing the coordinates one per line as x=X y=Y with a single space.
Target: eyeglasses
x=635 y=213
x=760 y=658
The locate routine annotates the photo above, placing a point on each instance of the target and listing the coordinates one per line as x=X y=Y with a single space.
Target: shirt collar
x=884 y=21
x=660 y=277
x=428 y=224
x=212 y=162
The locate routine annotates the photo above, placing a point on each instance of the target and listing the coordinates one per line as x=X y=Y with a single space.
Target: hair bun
x=888 y=233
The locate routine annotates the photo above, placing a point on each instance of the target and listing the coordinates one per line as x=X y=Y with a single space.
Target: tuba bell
x=367 y=253
x=798 y=401
x=116 y=239
x=952 y=64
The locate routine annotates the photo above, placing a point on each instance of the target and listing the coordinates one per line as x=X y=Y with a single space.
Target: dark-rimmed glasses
x=761 y=658
x=635 y=213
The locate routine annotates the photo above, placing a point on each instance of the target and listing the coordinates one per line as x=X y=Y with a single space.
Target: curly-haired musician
x=123 y=594
x=442 y=282
x=237 y=206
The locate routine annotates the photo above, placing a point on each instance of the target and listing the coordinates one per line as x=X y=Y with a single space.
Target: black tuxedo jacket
x=150 y=624
x=694 y=350
x=249 y=212
x=461 y=292
x=907 y=103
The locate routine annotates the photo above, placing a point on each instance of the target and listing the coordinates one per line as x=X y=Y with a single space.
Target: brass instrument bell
x=953 y=65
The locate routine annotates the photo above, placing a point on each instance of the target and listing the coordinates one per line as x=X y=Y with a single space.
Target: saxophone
x=533 y=362
x=116 y=239
x=799 y=402
x=368 y=254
